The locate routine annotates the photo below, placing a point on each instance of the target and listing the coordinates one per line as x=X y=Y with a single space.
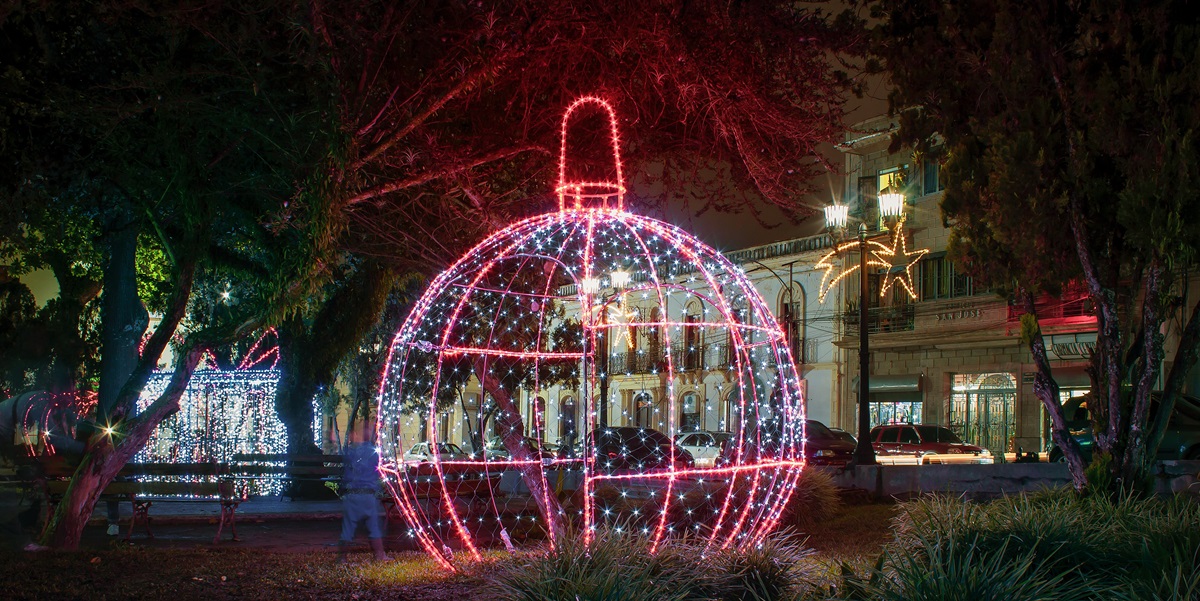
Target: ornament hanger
x=602 y=191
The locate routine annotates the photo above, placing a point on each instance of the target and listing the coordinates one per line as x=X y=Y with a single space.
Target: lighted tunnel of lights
x=544 y=306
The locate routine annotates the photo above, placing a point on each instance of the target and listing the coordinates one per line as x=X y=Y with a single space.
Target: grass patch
x=855 y=532
x=783 y=568
x=139 y=573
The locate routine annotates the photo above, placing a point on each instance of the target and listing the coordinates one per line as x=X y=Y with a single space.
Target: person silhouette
x=360 y=483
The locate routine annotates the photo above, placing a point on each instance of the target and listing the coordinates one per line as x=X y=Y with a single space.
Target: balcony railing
x=693 y=357
x=881 y=320
x=1073 y=303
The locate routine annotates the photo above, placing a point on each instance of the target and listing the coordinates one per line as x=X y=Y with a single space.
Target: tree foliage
x=455 y=108
x=1069 y=134
x=209 y=130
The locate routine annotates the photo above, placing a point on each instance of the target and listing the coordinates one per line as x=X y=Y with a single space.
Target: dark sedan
x=1180 y=441
x=823 y=448
x=640 y=449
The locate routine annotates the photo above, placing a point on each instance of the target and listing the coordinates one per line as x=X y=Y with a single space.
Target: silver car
x=446 y=451
x=704 y=446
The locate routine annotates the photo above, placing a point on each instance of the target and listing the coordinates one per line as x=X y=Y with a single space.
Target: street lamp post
x=864 y=453
x=891 y=205
x=617 y=281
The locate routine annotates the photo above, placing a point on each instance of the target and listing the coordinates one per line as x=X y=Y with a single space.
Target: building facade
x=949 y=353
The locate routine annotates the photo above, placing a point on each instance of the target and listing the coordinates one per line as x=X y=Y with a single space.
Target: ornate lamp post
x=618 y=280
x=891 y=206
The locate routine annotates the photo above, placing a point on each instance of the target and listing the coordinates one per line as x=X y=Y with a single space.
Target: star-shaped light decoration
x=827 y=263
x=622 y=317
x=899 y=262
x=895 y=259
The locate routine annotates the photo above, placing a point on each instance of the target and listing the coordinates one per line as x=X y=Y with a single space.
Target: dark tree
x=1069 y=135
x=199 y=131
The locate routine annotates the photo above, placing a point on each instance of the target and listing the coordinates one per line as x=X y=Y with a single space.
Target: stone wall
x=991 y=481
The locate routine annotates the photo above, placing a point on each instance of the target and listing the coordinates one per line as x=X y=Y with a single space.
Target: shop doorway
x=983 y=409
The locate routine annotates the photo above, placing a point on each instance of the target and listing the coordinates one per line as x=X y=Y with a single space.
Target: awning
x=908 y=383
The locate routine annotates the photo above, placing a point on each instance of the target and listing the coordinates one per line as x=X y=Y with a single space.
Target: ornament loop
x=577 y=191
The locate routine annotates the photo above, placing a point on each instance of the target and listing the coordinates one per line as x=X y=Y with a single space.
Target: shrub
x=616 y=566
x=1124 y=546
x=814 y=500
x=771 y=571
x=946 y=570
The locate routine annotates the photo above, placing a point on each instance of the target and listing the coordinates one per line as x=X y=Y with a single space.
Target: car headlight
x=824 y=453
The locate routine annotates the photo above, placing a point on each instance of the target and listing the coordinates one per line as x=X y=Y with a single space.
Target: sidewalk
x=255 y=509
x=264 y=523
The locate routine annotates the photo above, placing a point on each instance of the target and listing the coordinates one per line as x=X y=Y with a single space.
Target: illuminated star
x=617 y=314
x=899 y=262
x=827 y=263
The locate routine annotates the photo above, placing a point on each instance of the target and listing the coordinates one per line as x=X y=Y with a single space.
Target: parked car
x=925 y=444
x=641 y=449
x=446 y=451
x=844 y=435
x=823 y=448
x=1180 y=441
x=703 y=445
x=495 y=450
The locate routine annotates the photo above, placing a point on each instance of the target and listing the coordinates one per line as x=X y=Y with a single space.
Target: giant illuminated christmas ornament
x=607 y=334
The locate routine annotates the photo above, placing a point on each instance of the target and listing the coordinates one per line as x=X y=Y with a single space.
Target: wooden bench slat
x=59 y=487
x=288 y=470
x=176 y=469
x=285 y=458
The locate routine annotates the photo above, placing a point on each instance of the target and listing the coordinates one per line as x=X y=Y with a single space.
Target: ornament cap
x=574 y=194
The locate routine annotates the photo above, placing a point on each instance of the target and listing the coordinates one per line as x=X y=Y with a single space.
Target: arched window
x=689 y=412
x=733 y=413
x=792 y=308
x=566 y=418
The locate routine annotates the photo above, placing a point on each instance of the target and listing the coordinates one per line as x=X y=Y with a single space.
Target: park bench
x=144 y=483
x=293 y=470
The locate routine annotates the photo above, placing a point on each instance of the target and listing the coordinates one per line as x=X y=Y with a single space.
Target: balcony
x=707 y=356
x=1073 y=306
x=881 y=320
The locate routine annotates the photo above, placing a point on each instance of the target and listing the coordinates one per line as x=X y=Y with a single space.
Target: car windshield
x=819 y=430
x=447 y=448
x=937 y=434
x=721 y=437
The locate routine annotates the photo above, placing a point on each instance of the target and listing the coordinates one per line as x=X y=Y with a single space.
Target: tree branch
x=446 y=171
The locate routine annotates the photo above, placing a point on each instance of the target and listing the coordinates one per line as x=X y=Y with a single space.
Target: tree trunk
x=1046 y=389
x=297 y=388
x=123 y=319
x=104 y=459
x=74 y=293
x=1133 y=470
x=513 y=436
x=309 y=354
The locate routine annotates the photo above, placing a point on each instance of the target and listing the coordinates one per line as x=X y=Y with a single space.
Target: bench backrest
x=152 y=489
